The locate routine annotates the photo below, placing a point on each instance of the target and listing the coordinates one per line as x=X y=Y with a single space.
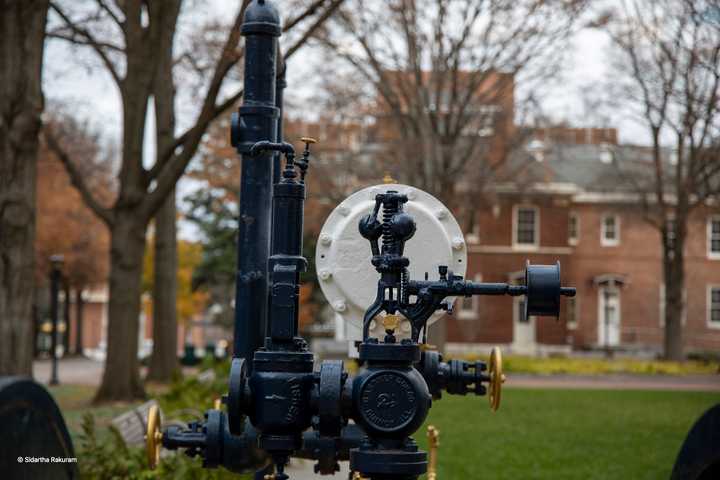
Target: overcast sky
x=92 y=95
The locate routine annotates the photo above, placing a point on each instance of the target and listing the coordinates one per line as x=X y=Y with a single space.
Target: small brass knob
x=388 y=179
x=308 y=140
x=391 y=322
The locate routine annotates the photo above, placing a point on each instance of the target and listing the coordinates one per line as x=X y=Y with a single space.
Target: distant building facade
x=573 y=203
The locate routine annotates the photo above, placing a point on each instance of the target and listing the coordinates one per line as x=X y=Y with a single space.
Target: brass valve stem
x=433 y=435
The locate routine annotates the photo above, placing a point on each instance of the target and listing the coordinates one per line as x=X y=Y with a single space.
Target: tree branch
x=96 y=46
x=104 y=6
x=76 y=177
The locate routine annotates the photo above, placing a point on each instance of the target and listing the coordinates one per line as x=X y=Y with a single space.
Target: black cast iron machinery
x=278 y=404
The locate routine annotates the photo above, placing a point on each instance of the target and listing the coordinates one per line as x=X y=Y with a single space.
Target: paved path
x=72 y=370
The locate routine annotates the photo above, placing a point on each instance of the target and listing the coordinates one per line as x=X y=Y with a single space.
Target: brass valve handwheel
x=497 y=378
x=153 y=436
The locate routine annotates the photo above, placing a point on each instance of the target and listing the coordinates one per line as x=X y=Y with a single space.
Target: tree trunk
x=164 y=361
x=21 y=104
x=121 y=378
x=673 y=266
x=79 y=307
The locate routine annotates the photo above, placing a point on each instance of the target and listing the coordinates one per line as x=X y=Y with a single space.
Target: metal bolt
x=339 y=306
x=325 y=274
x=325 y=239
x=441 y=214
x=410 y=193
x=457 y=243
x=344 y=211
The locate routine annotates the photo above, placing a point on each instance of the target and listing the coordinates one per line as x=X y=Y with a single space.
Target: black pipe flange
x=235 y=399
x=332 y=379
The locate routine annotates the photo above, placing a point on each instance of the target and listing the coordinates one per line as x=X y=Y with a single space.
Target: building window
x=610 y=231
x=571 y=313
x=609 y=316
x=670 y=227
x=573 y=229
x=714 y=306
x=713 y=232
x=470 y=306
x=526 y=227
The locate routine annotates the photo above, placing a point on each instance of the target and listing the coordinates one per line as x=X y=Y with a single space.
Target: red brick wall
x=637 y=258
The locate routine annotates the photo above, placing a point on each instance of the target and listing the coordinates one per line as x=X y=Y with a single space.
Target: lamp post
x=56 y=262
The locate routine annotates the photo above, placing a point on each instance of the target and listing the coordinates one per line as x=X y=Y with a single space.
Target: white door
x=609 y=317
x=523 y=328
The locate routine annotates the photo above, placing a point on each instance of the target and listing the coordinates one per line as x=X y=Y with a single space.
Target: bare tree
x=669 y=75
x=131 y=38
x=444 y=75
x=21 y=104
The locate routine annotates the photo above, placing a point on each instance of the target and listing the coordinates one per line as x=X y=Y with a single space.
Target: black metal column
x=56 y=262
x=256 y=121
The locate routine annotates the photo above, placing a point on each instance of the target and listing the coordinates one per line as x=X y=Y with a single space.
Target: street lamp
x=56 y=263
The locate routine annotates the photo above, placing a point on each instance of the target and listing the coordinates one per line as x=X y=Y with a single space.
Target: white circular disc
x=342 y=258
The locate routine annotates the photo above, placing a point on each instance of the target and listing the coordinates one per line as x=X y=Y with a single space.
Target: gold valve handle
x=433 y=435
x=497 y=378
x=153 y=436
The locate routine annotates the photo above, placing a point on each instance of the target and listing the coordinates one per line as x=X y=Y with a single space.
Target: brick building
x=574 y=203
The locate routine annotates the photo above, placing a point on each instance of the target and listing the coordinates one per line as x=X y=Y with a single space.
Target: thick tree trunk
x=79 y=311
x=121 y=378
x=673 y=266
x=164 y=361
x=21 y=104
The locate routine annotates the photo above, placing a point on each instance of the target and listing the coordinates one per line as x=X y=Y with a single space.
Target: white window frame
x=710 y=323
x=609 y=242
x=574 y=240
x=525 y=246
x=661 y=307
x=472 y=312
x=575 y=301
x=711 y=255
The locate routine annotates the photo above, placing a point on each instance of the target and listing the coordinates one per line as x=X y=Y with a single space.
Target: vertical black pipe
x=279 y=90
x=256 y=120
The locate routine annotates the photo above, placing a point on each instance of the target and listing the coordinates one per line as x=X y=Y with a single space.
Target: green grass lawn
x=536 y=434
x=564 y=434
x=75 y=400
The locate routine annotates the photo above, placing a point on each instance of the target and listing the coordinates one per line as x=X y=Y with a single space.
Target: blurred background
x=581 y=131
